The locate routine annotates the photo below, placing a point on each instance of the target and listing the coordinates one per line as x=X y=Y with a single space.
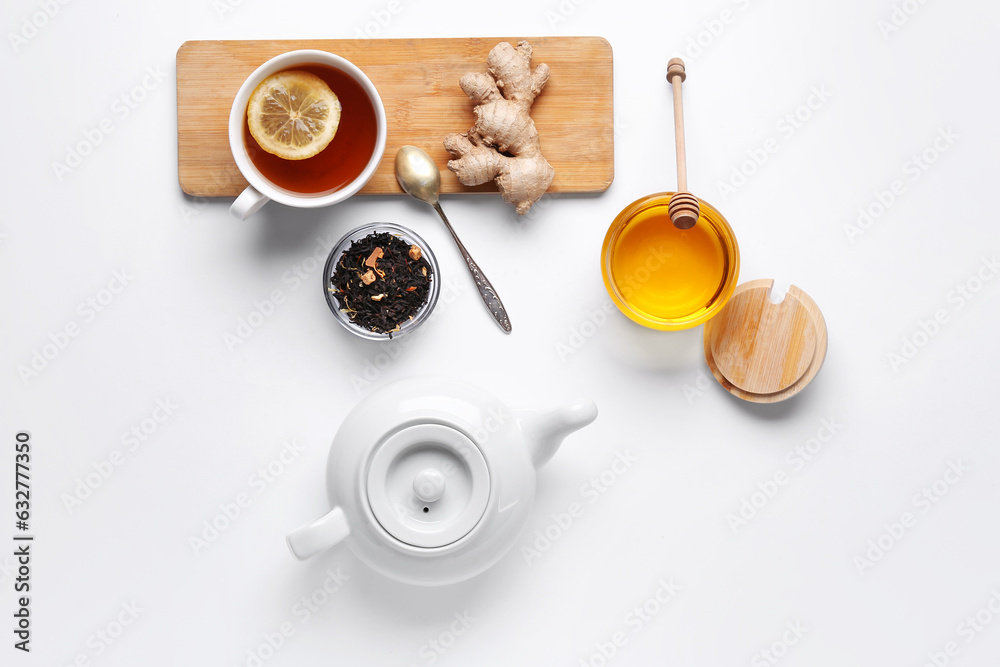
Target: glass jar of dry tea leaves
x=381 y=281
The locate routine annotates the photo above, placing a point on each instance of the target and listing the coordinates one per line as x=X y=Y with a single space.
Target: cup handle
x=248 y=203
x=319 y=535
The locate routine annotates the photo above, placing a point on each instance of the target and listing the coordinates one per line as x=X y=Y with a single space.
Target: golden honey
x=666 y=278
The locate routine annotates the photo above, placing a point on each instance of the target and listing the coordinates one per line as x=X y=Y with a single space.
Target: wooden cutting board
x=418 y=82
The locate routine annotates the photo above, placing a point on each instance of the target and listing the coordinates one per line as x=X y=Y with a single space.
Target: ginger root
x=503 y=144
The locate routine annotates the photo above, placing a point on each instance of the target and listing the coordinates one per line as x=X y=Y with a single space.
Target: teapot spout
x=544 y=430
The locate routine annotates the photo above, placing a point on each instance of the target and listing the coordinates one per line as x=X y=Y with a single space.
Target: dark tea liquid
x=343 y=159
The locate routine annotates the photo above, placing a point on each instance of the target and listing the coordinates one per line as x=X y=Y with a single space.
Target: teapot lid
x=428 y=485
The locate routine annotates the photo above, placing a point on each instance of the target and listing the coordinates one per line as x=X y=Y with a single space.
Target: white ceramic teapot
x=432 y=480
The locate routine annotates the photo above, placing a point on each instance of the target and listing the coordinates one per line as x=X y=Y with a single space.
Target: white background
x=195 y=272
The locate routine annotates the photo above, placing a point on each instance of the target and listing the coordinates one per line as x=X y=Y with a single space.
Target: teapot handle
x=320 y=535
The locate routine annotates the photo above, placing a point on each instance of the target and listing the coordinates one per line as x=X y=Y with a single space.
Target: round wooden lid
x=765 y=352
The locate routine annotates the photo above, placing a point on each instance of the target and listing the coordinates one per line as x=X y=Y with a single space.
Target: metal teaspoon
x=419 y=177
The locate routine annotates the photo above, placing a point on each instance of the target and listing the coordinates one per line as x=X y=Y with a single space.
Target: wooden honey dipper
x=683 y=208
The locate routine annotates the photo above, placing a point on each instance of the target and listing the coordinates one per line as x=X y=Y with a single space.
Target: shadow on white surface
x=667 y=352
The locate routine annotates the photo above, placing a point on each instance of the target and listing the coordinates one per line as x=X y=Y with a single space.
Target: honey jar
x=668 y=278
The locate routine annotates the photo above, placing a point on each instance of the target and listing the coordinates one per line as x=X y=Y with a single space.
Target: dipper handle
x=683 y=208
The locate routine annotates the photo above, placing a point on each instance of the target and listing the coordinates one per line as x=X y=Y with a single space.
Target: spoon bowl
x=418 y=175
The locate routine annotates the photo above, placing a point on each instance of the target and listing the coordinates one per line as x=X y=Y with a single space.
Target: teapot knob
x=428 y=484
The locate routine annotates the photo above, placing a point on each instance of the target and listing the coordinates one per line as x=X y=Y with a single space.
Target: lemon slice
x=293 y=114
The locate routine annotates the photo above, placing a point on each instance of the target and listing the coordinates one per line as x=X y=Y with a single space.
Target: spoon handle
x=490 y=297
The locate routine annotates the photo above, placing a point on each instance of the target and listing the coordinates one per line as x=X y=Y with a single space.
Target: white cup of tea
x=340 y=169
